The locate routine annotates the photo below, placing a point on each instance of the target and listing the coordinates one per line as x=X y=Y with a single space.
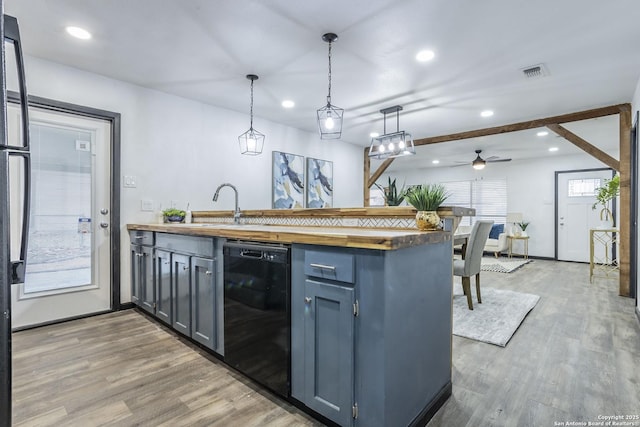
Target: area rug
x=499 y=265
x=496 y=319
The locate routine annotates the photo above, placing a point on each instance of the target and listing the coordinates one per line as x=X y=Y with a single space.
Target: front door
x=68 y=262
x=575 y=197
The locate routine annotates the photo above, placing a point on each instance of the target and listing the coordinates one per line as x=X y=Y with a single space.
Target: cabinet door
x=163 y=286
x=147 y=291
x=329 y=350
x=135 y=273
x=181 y=289
x=203 y=301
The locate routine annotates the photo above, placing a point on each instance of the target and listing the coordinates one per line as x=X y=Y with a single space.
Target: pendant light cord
x=329 y=95
x=251 y=108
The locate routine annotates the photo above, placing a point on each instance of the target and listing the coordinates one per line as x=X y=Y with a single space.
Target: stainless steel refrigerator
x=14 y=153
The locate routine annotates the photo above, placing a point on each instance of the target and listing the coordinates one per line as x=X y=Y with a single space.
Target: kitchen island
x=370 y=312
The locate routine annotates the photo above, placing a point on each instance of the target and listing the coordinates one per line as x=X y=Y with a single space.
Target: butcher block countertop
x=350 y=237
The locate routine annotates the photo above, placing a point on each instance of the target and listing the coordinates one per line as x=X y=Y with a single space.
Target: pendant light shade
x=252 y=141
x=330 y=116
x=395 y=144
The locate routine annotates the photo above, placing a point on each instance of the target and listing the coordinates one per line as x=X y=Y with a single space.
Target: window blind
x=488 y=197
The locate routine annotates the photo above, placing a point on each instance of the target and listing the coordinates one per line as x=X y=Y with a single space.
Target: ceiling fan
x=479 y=163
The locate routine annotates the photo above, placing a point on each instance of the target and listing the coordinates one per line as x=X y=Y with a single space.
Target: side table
x=525 y=240
x=602 y=239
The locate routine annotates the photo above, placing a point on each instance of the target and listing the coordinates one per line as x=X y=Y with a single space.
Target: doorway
x=68 y=263
x=575 y=196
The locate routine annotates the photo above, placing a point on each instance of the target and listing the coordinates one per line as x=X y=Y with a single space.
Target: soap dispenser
x=188 y=216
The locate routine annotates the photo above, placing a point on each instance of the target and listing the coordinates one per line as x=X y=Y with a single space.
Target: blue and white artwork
x=288 y=181
x=320 y=183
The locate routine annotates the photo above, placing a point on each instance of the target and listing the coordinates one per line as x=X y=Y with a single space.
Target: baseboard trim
x=126 y=306
x=430 y=410
x=55 y=322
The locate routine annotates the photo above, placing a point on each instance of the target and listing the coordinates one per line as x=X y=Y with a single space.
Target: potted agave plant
x=427 y=199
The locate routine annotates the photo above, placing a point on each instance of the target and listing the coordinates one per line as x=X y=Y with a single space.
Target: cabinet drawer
x=201 y=246
x=139 y=237
x=329 y=265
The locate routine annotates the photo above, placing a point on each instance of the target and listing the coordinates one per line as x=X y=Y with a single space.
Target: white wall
x=181 y=150
x=530 y=189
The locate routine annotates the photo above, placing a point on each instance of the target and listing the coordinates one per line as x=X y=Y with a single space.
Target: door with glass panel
x=68 y=261
x=576 y=194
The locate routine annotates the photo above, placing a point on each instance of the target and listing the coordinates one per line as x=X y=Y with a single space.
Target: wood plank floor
x=576 y=356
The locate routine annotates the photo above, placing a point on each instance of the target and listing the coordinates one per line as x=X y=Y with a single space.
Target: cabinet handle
x=138 y=237
x=323 y=267
x=208 y=273
x=307 y=300
x=139 y=255
x=185 y=267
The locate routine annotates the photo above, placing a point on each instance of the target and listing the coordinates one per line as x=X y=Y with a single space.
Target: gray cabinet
x=181 y=290
x=323 y=327
x=191 y=289
x=142 y=285
x=163 y=286
x=203 y=301
x=329 y=350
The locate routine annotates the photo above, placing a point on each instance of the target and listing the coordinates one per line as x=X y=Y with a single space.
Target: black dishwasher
x=257 y=320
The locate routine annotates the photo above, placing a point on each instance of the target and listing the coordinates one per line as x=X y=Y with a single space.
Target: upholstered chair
x=470 y=265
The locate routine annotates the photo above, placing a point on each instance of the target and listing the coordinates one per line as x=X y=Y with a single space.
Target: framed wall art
x=319 y=183
x=288 y=181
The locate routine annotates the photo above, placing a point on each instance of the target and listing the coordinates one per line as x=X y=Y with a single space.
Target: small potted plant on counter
x=173 y=215
x=427 y=199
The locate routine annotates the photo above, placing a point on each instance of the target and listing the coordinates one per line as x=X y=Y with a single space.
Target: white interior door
x=576 y=195
x=68 y=261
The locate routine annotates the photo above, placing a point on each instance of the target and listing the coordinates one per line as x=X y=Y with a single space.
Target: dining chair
x=471 y=263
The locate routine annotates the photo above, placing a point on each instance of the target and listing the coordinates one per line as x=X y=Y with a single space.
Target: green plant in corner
x=427 y=197
x=392 y=196
x=609 y=191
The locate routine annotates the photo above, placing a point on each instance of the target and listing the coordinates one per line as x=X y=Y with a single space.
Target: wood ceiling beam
x=531 y=124
x=585 y=146
x=383 y=167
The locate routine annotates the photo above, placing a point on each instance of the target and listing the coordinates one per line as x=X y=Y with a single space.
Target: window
x=583 y=187
x=488 y=197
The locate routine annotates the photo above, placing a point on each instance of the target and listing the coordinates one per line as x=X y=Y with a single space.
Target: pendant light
x=330 y=116
x=395 y=144
x=252 y=141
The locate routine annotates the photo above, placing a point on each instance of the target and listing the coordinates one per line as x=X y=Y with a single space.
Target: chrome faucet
x=236 y=213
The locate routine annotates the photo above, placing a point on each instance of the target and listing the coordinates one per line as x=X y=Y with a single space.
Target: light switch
x=129 y=181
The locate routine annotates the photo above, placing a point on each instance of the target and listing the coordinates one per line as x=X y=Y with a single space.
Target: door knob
x=307 y=300
x=104 y=224
x=104 y=211
x=562 y=223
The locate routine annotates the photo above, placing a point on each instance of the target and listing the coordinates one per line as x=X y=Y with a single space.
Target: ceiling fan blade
x=499 y=160
x=488 y=159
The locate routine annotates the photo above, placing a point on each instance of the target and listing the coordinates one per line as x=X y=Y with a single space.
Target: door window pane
x=60 y=236
x=583 y=187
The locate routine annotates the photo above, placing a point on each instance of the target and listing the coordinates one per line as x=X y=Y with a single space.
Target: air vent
x=535 y=71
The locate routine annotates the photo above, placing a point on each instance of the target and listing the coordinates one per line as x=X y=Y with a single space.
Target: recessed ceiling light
x=553 y=149
x=287 y=103
x=79 y=33
x=374 y=134
x=435 y=162
x=425 y=55
x=542 y=133
x=486 y=113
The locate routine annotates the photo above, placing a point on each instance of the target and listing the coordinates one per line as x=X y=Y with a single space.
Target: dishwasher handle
x=250 y=253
